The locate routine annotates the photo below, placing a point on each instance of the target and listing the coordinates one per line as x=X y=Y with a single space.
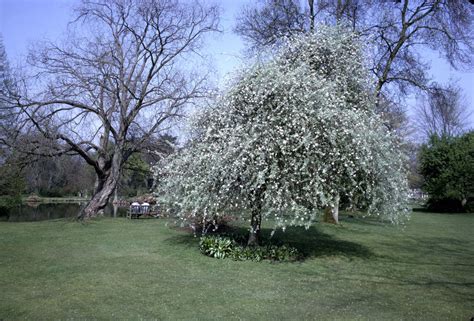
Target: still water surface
x=49 y=211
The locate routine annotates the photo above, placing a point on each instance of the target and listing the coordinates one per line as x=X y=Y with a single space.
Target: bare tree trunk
x=331 y=214
x=98 y=202
x=339 y=11
x=115 y=202
x=311 y=15
x=105 y=187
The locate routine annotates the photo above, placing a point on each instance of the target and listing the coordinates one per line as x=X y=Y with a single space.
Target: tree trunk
x=256 y=220
x=97 y=203
x=331 y=213
x=105 y=186
x=255 y=226
x=311 y=15
x=339 y=11
x=115 y=202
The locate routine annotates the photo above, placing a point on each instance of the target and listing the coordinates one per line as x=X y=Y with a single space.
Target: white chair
x=144 y=208
x=134 y=210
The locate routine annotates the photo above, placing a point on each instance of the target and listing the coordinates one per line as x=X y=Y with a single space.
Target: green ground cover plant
x=227 y=246
x=144 y=269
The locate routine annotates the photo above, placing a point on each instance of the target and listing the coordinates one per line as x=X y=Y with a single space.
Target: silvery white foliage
x=300 y=128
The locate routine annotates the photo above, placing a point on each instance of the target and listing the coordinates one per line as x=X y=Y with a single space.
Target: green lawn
x=142 y=269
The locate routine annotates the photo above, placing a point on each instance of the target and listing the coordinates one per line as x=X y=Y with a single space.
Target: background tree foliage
x=59 y=176
x=447 y=164
x=12 y=183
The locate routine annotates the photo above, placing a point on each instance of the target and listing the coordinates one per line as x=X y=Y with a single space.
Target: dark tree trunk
x=98 y=202
x=106 y=184
x=311 y=15
x=255 y=226
x=256 y=220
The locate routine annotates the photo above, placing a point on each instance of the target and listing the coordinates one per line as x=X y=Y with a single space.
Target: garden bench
x=136 y=210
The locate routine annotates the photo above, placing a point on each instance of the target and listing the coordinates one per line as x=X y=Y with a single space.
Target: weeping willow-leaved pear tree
x=291 y=137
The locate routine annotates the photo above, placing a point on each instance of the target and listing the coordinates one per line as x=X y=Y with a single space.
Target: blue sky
x=22 y=22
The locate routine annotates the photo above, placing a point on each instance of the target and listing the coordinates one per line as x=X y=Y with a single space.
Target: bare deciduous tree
x=401 y=27
x=4 y=84
x=102 y=95
x=395 y=28
x=443 y=113
x=7 y=115
x=270 y=21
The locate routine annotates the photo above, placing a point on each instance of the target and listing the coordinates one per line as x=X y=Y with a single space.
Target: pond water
x=49 y=211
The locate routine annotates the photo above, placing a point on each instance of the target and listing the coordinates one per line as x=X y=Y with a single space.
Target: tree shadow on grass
x=364 y=220
x=313 y=242
x=310 y=243
x=187 y=239
x=420 y=209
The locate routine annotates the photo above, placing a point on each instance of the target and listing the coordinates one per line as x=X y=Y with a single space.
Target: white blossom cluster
x=301 y=130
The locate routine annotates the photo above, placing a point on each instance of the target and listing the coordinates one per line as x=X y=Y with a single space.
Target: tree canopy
x=290 y=137
x=447 y=165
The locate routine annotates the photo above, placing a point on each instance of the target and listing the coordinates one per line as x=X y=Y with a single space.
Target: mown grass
x=142 y=269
